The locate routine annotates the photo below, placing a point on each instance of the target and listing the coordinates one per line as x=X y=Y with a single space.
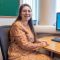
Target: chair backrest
x=4 y=41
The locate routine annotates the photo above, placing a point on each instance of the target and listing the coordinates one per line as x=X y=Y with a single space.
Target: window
x=57 y=6
x=35 y=9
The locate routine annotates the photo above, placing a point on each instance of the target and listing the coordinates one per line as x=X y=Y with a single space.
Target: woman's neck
x=24 y=22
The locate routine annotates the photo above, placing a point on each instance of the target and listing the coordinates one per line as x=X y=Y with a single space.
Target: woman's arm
x=21 y=39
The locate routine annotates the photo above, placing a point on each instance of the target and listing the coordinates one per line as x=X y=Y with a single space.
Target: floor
x=56 y=58
x=0 y=55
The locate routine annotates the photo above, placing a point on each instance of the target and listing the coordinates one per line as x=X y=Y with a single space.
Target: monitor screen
x=58 y=21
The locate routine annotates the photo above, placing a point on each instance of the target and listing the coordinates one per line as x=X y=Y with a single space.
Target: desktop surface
x=52 y=45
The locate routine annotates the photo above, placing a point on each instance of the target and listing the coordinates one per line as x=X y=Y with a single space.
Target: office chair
x=4 y=41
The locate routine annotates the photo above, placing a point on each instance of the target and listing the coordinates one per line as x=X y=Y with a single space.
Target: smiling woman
x=35 y=5
x=23 y=43
x=26 y=13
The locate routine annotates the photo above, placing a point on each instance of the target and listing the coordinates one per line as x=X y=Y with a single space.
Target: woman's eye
x=26 y=11
x=29 y=11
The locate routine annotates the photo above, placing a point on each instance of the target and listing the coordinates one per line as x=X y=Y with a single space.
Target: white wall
x=6 y=21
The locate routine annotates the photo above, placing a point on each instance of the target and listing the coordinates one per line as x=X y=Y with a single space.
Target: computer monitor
x=57 y=39
x=58 y=21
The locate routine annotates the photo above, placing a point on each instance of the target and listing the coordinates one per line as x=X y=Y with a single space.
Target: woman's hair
x=19 y=18
x=20 y=10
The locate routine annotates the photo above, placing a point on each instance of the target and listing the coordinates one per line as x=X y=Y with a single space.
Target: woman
x=23 y=44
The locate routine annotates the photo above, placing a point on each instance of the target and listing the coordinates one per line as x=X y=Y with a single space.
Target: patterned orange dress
x=21 y=44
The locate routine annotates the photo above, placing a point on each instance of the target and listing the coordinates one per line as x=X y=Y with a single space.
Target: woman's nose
x=27 y=12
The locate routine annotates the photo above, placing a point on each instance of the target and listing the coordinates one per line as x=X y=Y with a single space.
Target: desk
x=53 y=46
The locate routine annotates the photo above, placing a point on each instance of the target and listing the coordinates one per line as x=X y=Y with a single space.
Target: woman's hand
x=43 y=43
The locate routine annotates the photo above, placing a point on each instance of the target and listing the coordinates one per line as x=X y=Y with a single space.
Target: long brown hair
x=19 y=18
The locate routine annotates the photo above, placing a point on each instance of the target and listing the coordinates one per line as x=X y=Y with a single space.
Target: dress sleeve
x=21 y=39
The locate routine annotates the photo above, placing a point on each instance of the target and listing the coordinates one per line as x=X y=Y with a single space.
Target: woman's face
x=26 y=13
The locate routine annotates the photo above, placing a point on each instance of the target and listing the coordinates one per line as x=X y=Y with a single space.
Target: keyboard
x=57 y=39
